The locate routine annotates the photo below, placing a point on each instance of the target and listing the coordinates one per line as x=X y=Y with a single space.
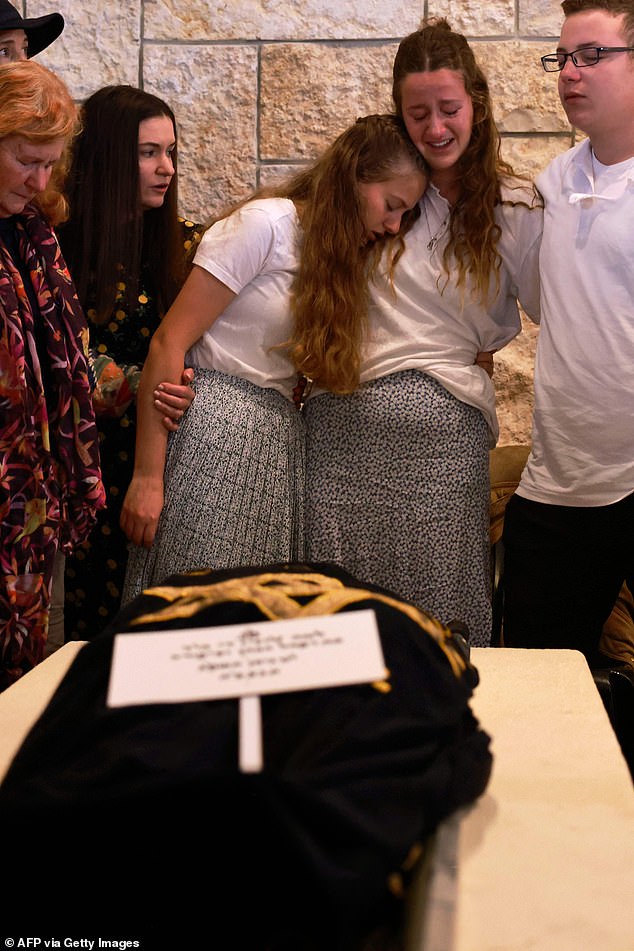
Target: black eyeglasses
x=587 y=56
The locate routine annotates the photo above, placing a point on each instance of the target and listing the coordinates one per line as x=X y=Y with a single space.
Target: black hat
x=40 y=31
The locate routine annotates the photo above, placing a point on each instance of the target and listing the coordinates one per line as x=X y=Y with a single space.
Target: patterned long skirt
x=397 y=493
x=234 y=485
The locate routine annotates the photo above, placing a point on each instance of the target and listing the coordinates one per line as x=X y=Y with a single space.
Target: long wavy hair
x=615 y=7
x=109 y=236
x=35 y=104
x=330 y=291
x=471 y=250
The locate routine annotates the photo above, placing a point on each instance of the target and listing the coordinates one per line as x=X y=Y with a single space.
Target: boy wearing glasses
x=569 y=530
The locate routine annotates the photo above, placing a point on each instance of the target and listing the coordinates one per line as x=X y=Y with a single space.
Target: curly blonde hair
x=330 y=291
x=35 y=104
x=473 y=232
x=330 y=296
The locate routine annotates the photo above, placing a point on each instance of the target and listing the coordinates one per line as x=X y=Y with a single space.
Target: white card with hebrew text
x=239 y=660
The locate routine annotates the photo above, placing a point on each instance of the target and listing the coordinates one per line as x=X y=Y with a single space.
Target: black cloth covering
x=165 y=839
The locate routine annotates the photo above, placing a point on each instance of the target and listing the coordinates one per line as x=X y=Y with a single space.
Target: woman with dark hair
x=50 y=485
x=129 y=254
x=397 y=471
x=279 y=286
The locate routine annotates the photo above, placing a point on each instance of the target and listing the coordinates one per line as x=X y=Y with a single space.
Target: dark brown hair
x=109 y=235
x=473 y=231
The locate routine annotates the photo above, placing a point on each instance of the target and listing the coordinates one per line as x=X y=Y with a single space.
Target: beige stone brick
x=476 y=19
x=279 y=19
x=273 y=175
x=213 y=92
x=529 y=155
x=524 y=97
x=100 y=44
x=513 y=381
x=540 y=17
x=309 y=94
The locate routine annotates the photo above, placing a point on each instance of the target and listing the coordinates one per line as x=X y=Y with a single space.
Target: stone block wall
x=260 y=86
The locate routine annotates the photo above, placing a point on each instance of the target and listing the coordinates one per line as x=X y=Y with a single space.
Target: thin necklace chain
x=436 y=236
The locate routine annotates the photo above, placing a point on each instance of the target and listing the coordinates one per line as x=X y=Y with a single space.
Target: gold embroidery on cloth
x=277 y=597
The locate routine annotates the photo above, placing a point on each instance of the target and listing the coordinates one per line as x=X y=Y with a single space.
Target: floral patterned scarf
x=50 y=480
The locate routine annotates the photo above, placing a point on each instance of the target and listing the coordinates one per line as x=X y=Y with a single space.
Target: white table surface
x=23 y=702
x=544 y=860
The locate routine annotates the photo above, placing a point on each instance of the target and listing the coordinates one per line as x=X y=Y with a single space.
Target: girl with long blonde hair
x=278 y=287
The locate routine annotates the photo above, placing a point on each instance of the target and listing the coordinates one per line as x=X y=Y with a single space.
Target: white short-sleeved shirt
x=415 y=326
x=583 y=424
x=254 y=252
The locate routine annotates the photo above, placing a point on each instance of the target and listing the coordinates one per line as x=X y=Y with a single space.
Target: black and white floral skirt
x=397 y=493
x=234 y=485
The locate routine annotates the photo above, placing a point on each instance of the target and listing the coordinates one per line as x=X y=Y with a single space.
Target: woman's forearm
x=144 y=499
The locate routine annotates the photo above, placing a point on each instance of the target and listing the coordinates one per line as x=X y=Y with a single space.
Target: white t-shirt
x=418 y=327
x=255 y=253
x=583 y=424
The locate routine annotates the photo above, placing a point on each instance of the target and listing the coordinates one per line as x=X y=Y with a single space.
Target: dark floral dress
x=50 y=486
x=119 y=347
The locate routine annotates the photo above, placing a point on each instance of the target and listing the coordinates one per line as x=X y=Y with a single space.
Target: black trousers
x=563 y=569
